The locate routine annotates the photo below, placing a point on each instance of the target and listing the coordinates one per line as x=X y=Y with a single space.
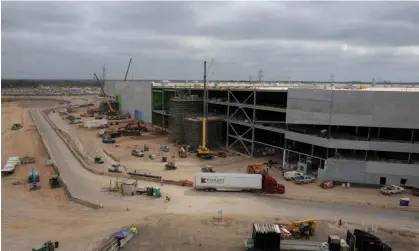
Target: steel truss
x=250 y=119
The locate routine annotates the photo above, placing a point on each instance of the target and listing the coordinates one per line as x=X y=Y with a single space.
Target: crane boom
x=104 y=93
x=126 y=74
x=101 y=87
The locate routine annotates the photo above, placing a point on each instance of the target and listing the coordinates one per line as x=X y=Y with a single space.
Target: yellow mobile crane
x=104 y=94
x=203 y=152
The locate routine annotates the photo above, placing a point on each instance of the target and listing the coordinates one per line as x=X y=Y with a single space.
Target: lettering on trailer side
x=212 y=180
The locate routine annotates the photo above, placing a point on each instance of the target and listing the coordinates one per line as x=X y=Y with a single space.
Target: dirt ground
x=175 y=232
x=30 y=218
x=91 y=146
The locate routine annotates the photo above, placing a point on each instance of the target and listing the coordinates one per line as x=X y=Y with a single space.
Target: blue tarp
x=121 y=234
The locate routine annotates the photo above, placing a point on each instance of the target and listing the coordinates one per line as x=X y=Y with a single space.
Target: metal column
x=253 y=123
x=228 y=118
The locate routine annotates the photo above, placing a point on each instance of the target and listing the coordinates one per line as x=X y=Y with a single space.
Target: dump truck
x=237 y=182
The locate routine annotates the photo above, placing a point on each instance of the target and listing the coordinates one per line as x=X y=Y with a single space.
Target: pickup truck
x=290 y=175
x=391 y=189
x=305 y=179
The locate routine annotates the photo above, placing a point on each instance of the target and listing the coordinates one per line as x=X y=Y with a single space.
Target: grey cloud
x=297 y=40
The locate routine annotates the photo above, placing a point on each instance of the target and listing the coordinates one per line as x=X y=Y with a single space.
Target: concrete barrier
x=62 y=180
x=111 y=155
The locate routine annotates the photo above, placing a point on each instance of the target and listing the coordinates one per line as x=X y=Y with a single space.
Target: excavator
x=111 y=110
x=203 y=152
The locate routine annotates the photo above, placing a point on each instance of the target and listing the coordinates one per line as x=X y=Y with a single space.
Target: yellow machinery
x=106 y=96
x=298 y=227
x=203 y=152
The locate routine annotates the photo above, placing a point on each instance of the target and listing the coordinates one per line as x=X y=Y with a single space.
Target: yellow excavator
x=203 y=152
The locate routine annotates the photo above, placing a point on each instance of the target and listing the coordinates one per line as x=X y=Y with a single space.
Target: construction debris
x=27 y=160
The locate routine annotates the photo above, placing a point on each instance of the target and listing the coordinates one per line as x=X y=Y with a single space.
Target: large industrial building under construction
x=351 y=133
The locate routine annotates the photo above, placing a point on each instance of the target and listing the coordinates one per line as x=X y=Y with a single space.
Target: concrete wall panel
x=371 y=172
x=135 y=95
x=307 y=117
x=354 y=108
x=310 y=94
x=305 y=138
x=349 y=144
x=353 y=144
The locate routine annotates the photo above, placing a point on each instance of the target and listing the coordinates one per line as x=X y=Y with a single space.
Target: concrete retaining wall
x=111 y=155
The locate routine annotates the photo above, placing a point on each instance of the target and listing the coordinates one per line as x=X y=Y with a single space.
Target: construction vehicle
x=116 y=168
x=171 y=165
x=108 y=140
x=111 y=111
x=207 y=169
x=33 y=180
x=182 y=153
x=47 y=246
x=203 y=152
x=255 y=168
x=98 y=160
x=54 y=181
x=303 y=227
x=138 y=153
x=164 y=149
x=16 y=127
x=33 y=176
x=327 y=184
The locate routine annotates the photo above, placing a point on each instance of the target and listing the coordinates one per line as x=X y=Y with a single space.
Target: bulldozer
x=301 y=228
x=16 y=127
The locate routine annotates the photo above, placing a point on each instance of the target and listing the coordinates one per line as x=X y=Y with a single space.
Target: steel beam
x=239 y=138
x=253 y=122
x=241 y=108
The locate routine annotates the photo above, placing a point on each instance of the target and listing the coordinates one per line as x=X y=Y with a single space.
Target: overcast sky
x=170 y=40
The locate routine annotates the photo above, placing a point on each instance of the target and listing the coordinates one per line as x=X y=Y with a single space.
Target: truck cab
x=270 y=185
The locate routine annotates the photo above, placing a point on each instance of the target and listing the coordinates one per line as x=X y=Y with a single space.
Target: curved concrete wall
x=353 y=108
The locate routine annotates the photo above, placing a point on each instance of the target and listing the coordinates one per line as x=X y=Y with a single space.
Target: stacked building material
x=266 y=237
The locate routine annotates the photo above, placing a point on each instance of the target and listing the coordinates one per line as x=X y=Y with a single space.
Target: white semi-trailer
x=228 y=181
x=237 y=182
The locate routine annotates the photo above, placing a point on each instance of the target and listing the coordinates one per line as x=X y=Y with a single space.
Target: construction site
x=121 y=157
x=194 y=160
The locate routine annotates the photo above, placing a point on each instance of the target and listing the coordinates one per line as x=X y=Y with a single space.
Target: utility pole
x=103 y=73
x=250 y=79
x=260 y=75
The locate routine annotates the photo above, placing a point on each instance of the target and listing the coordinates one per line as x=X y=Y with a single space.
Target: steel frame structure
x=251 y=119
